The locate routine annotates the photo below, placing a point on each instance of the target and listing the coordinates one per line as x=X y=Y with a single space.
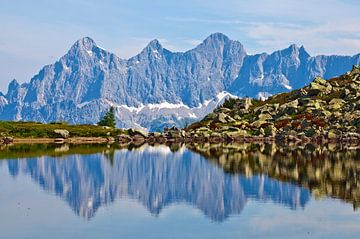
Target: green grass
x=39 y=130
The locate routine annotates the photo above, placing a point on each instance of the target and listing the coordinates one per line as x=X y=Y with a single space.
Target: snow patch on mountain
x=90 y=53
x=167 y=105
x=151 y=117
x=224 y=95
x=263 y=95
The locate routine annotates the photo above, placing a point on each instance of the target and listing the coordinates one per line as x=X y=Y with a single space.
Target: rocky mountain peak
x=85 y=43
x=303 y=53
x=82 y=47
x=214 y=41
x=216 y=37
x=218 y=44
x=295 y=51
x=14 y=85
x=154 y=45
x=292 y=50
x=153 y=51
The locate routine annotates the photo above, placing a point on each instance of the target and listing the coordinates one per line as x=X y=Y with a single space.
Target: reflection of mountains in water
x=156 y=177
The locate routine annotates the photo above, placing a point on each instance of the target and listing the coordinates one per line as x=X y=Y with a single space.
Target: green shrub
x=229 y=103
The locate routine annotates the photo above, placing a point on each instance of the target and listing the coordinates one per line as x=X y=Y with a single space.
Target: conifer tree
x=108 y=119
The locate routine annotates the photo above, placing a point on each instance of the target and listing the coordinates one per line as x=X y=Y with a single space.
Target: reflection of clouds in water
x=314 y=220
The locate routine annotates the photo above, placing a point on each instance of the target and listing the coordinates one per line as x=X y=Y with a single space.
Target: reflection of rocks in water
x=62 y=148
x=156 y=177
x=330 y=170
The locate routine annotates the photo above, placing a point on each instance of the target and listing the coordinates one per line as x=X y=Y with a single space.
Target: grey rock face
x=82 y=84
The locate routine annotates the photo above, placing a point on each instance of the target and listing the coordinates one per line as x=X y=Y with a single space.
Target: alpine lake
x=179 y=191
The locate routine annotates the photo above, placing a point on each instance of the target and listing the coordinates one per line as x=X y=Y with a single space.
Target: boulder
x=220 y=118
x=244 y=103
x=258 y=123
x=292 y=104
x=239 y=133
x=210 y=116
x=320 y=81
x=264 y=117
x=336 y=104
x=344 y=93
x=223 y=118
x=137 y=132
x=237 y=117
x=62 y=132
x=319 y=86
x=290 y=107
x=313 y=103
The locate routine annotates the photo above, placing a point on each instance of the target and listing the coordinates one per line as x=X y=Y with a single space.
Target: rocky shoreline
x=174 y=135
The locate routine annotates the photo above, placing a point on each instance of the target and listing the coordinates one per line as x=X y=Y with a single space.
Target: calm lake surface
x=197 y=191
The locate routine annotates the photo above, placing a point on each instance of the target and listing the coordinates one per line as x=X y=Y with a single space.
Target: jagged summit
x=217 y=37
x=85 y=42
x=154 y=44
x=83 y=47
x=13 y=84
x=292 y=49
x=153 y=49
x=215 y=41
x=303 y=53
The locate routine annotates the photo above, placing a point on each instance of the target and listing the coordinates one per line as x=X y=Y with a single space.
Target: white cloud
x=340 y=38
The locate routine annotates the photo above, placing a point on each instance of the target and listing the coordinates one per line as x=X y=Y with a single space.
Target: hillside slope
x=323 y=110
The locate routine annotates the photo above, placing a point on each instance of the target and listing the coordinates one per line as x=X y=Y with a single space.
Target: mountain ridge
x=83 y=83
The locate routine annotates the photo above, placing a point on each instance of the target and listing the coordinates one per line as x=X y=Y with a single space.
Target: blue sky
x=38 y=32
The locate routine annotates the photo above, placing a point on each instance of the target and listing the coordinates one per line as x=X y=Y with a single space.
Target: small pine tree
x=229 y=103
x=108 y=119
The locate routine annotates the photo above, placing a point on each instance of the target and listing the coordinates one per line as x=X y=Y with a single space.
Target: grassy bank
x=40 y=130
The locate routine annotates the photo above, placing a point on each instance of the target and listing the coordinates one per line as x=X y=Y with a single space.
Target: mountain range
x=157 y=87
